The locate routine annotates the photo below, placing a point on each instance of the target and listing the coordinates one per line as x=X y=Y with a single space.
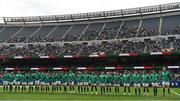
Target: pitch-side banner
x=173 y=83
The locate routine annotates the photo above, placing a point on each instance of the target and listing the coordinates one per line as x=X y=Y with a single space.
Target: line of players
x=87 y=82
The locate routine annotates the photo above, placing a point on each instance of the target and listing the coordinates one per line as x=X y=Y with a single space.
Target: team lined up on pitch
x=87 y=82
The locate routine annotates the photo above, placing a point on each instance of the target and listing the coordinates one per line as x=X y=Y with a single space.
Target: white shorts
x=58 y=82
x=86 y=83
x=154 y=84
x=126 y=84
x=145 y=85
x=42 y=83
x=30 y=83
x=80 y=83
x=117 y=85
x=65 y=83
x=165 y=83
x=71 y=83
x=5 y=82
x=93 y=84
x=102 y=84
x=46 y=84
x=54 y=83
x=37 y=82
x=11 y=83
x=24 y=83
x=108 y=84
x=137 y=85
x=17 y=83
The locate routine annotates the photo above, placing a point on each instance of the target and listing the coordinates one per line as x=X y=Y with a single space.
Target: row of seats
x=93 y=31
x=105 y=34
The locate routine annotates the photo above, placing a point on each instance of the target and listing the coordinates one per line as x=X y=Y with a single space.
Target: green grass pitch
x=175 y=95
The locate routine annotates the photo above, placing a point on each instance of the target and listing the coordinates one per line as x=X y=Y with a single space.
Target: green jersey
x=43 y=77
x=24 y=78
x=120 y=79
x=146 y=78
x=37 y=76
x=59 y=77
x=166 y=76
x=28 y=78
x=108 y=78
x=126 y=78
x=40 y=76
x=136 y=78
x=31 y=79
x=18 y=77
x=11 y=78
x=90 y=78
x=80 y=78
x=102 y=78
x=117 y=79
x=65 y=78
x=71 y=76
x=53 y=78
x=6 y=77
x=86 y=77
x=93 y=78
x=47 y=78
x=154 y=77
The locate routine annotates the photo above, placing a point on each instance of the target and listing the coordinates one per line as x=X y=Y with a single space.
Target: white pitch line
x=86 y=100
x=175 y=92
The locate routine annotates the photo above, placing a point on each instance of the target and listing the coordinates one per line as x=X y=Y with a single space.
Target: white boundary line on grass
x=175 y=92
x=88 y=100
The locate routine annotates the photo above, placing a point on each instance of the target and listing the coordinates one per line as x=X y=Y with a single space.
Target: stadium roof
x=97 y=15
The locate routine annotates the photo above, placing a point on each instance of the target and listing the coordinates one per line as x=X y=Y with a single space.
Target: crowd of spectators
x=90 y=35
x=175 y=31
x=109 y=47
x=18 y=39
x=113 y=47
x=147 y=33
x=108 y=33
x=126 y=32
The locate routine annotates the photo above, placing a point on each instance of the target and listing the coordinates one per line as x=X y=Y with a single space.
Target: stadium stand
x=122 y=32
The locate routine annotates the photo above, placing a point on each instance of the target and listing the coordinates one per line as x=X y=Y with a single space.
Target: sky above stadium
x=12 y=8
